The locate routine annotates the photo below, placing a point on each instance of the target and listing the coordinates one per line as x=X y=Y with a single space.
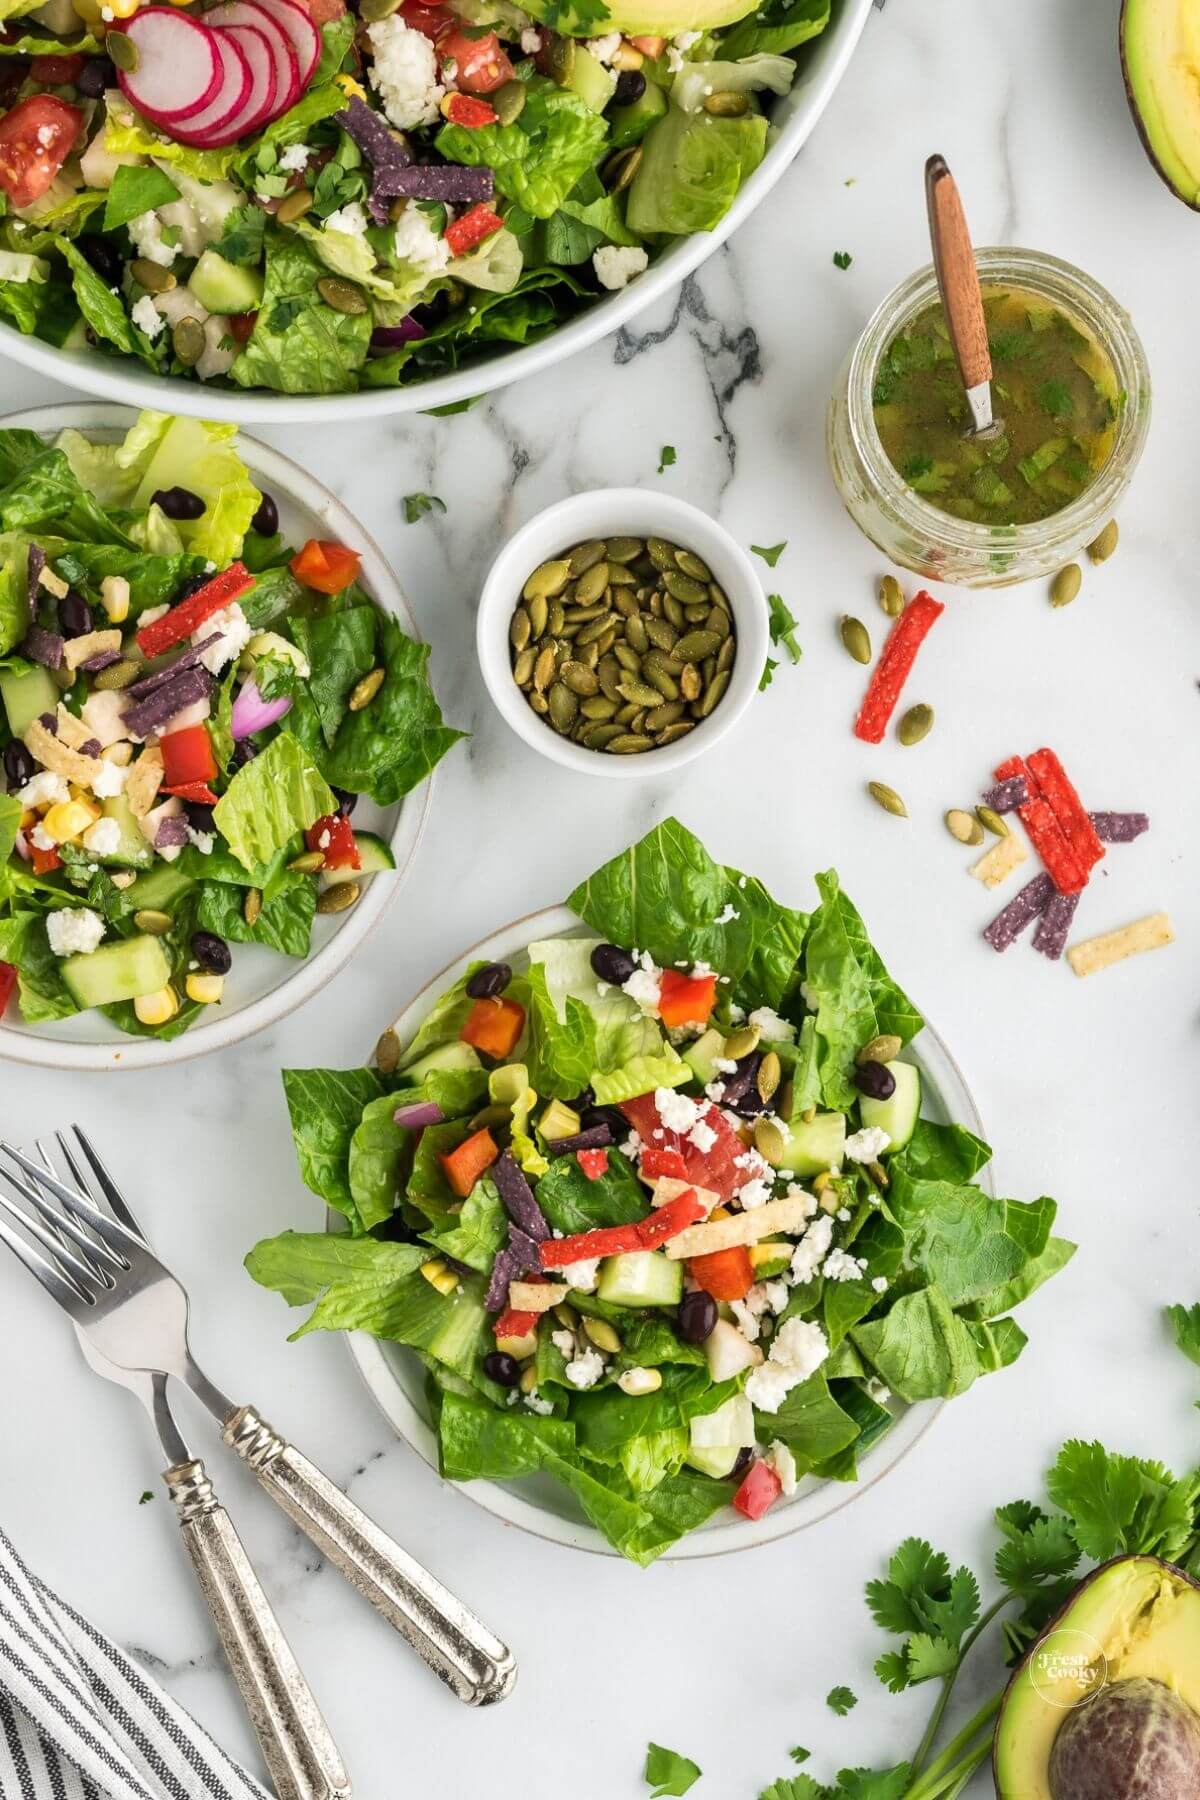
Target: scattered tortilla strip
x=742 y=1228
x=1059 y=792
x=34 y=565
x=536 y=1296
x=998 y=863
x=1006 y=796
x=668 y=1188
x=1119 y=828
x=59 y=758
x=79 y=650
x=1151 y=933
x=1020 y=912
x=53 y=584
x=143 y=782
x=72 y=732
x=1054 y=926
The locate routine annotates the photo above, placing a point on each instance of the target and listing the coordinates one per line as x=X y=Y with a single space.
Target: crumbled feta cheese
x=755 y=1193
x=74 y=930
x=736 y=1013
x=581 y=1275
x=797 y=1351
x=102 y=838
x=531 y=41
x=645 y=984
x=146 y=232
x=844 y=1214
x=350 y=219
x=839 y=1265
x=295 y=156
x=678 y=1112
x=770 y=1026
x=715 y=1091
x=40 y=838
x=812 y=1250
x=811 y=1203
x=674 y=59
x=151 y=615
x=868 y=1144
x=44 y=789
x=404 y=70
x=631 y=1146
x=536 y=1404
x=747 y=1322
x=234 y=633
x=683 y=40
x=416 y=242
x=564 y=1341
x=202 y=841
x=762 y=1301
x=585 y=1370
x=617 y=264
x=724 y=1065
x=146 y=315
x=880 y=1284
x=605 y=48
x=877 y=1391
x=727 y=914
x=780 y=1458
x=703 y=1136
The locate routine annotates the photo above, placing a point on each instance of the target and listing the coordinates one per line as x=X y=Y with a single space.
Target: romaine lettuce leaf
x=278 y=794
x=14 y=592
x=692 y=168
x=538 y=159
x=477 y=1232
x=104 y=311
x=300 y=345
x=10 y=819
x=810 y=1422
x=326 y=1108
x=775 y=27
x=572 y=1203
x=284 y=924
x=922 y=1349
x=697 y=79
x=340 y=648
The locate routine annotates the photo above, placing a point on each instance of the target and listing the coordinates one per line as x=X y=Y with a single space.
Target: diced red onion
x=419 y=1114
x=22 y=847
x=394 y=337
x=252 y=713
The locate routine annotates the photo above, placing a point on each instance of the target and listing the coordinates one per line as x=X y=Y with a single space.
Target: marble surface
x=1086 y=1088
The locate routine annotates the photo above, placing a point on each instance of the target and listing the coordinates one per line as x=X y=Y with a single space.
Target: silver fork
x=135 y=1313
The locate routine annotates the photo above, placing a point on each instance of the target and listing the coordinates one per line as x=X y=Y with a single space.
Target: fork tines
x=85 y=1245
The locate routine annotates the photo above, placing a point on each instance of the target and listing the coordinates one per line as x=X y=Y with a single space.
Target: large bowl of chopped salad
x=216 y=737
x=634 y=1235
x=283 y=209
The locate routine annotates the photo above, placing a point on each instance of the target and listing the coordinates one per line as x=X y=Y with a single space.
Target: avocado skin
x=1136 y=8
x=1135 y=1740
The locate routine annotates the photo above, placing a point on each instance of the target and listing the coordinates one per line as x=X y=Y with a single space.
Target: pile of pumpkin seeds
x=623 y=644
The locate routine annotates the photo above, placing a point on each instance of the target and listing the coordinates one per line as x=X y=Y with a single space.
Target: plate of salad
x=663 y=1218
x=216 y=737
x=290 y=203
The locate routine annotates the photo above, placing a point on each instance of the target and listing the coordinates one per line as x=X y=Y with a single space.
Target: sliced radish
x=287 y=64
x=303 y=34
x=259 y=104
x=205 y=129
x=179 y=69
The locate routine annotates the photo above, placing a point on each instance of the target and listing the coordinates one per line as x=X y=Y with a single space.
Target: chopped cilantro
x=916 y=466
x=783 y=626
x=842 y=259
x=668 y=1773
x=1185 y=1324
x=147 y=1495
x=768 y=675
x=417 y=505
x=1055 y=398
x=667 y=457
x=799 y=1754
x=841 y=1700
x=770 y=553
x=242 y=235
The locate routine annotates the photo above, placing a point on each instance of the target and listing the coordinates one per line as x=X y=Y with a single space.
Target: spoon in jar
x=962 y=301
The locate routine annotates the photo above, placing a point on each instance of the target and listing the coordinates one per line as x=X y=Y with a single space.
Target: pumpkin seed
x=718 y=596
x=891 y=596
x=520 y=629
x=629 y=743
x=293 y=206
x=187 y=341
x=993 y=821
x=624 y=549
x=620 y=576
x=595 y=629
x=1102 y=547
x=556 y=618
x=628 y=659
x=509 y=100
x=661 y=634
x=583 y=615
x=585 y=556
x=364 y=691
x=529 y=1378
x=563 y=707
x=591 y=584
x=549 y=578
x=342 y=296
x=309 y=863
x=156 y=924
x=252 y=905
x=387 y=1053
x=741 y=1042
x=883 y=1049
x=579 y=678
x=695 y=615
x=339 y=898
x=151 y=275
x=640 y=693
x=916 y=724
x=523 y=668
x=372 y=10
x=856 y=639
x=717 y=619
x=888 y=798
x=636 y=634
x=769 y=1141
x=602 y=1335
x=689 y=682
x=566 y=1315
x=685 y=589
x=608 y=672
x=694 y=646
x=122 y=50
x=621 y=167
x=543 y=668
x=726 y=104
x=659 y=717
x=879 y=1175
x=625 y=602
x=657 y=677
x=538 y=702
x=964 y=826
x=691 y=565
x=661 y=554
x=726 y=654
x=770 y=1074
x=674 y=732
x=559 y=60
x=716 y=691
x=1066 y=585
x=539 y=614
x=673 y=611
x=598 y=737
x=598 y=706
x=117 y=675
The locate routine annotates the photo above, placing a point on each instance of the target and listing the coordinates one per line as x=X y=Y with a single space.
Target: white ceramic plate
x=821 y=66
x=263 y=986
x=538 y=1504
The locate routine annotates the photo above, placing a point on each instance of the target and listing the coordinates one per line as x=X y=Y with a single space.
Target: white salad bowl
x=621 y=512
x=264 y=986
x=821 y=65
x=395 y=1377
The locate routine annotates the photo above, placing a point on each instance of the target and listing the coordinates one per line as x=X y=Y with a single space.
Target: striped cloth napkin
x=80 y=1721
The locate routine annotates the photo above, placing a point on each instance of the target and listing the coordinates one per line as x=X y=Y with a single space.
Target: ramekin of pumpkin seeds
x=636 y=641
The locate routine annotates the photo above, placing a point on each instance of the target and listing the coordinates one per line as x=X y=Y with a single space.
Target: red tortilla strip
x=1059 y=792
x=1045 y=832
x=895 y=665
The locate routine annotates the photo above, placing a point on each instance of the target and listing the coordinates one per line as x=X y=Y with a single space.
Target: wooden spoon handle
x=957 y=276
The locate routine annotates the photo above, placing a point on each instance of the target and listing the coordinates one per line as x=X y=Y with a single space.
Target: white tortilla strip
x=998 y=863
x=1151 y=933
x=536 y=1296
x=743 y=1228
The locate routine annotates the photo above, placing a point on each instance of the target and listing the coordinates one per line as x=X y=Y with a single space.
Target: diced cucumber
x=732 y=1423
x=769 y=1260
x=821 y=1144
x=728 y=1352
x=558 y=1121
x=447 y=1056
x=717 y=1462
x=375 y=858
x=589 y=78
x=225 y=287
x=123 y=970
x=701 y=1056
x=158 y=889
x=631 y=123
x=27 y=696
x=897 y=1115
x=133 y=852
x=640 y=1278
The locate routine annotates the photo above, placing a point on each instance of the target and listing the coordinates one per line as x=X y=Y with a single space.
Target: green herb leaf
x=799 y=1754
x=145 y=1497
x=242 y=235
x=1185 y=1324
x=842 y=259
x=137 y=189
x=783 y=626
x=417 y=505
x=666 y=457
x=1054 y=397
x=768 y=674
x=770 y=553
x=841 y=1700
x=668 y=1773
x=272 y=798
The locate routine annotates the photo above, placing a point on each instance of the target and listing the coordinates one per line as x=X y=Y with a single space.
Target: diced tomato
x=669 y=1220
x=334 y=837
x=494 y=1026
x=480 y=65
x=594 y=1163
x=56 y=71
x=241 y=326
x=322 y=11
x=45 y=861
x=463 y=1166
x=8 y=981
x=36 y=138
x=725 y=1274
x=188 y=757
x=715 y=1168
x=465 y=110
x=190 y=614
x=199 y=791
x=760 y=1489
x=654 y=1164
x=477 y=223
x=513 y=1324
x=327 y=567
x=433 y=21
x=652 y=47
x=686 y=999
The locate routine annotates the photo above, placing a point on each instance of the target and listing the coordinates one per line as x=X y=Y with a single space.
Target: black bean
x=742 y=1462
x=502 y=1368
x=611 y=1116
x=697 y=1316
x=96 y=74
x=875 y=1080
x=211 y=952
x=266 y=519
x=104 y=258
x=741 y=1081
x=19 y=766
x=244 y=751
x=631 y=85
x=178 y=503
x=346 y=801
x=199 y=816
x=492 y=979
x=192 y=585
x=747 y=1105
x=611 y=963
x=74 y=616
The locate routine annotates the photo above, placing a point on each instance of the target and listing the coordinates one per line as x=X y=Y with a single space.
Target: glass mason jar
x=905 y=526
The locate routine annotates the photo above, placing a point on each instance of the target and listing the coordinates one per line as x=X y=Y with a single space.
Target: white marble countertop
x=1086 y=1088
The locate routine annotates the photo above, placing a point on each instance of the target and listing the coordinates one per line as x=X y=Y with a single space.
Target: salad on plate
x=656 y=1205
x=285 y=194
x=190 y=710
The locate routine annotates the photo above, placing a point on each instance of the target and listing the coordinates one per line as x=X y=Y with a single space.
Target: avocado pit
x=1133 y=1740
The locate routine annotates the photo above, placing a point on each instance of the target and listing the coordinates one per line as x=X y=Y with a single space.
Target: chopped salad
x=286 y=194
x=190 y=711
x=658 y=1209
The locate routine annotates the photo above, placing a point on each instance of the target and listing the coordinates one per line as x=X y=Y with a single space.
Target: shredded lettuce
x=692 y=168
x=269 y=800
x=538 y=159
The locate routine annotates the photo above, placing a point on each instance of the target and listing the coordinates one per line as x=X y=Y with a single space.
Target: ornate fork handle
x=446 y=1635
x=296 y=1744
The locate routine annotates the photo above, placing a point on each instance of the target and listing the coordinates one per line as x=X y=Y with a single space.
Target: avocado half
x=1160 y=58
x=1106 y=1704
x=640 y=18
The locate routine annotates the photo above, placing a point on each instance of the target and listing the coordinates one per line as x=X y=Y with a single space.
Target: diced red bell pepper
x=477 y=223
x=760 y=1489
x=494 y=1026
x=190 y=614
x=608 y=1240
x=669 y=1220
x=334 y=837
x=465 y=110
x=464 y=1165
x=188 y=757
x=594 y=1163
x=45 y=861
x=8 y=981
x=721 y=1168
x=895 y=665
x=655 y=1165
x=326 y=567
x=686 y=999
x=725 y=1274
x=1045 y=833
x=241 y=326
x=1059 y=793
x=513 y=1324
x=198 y=791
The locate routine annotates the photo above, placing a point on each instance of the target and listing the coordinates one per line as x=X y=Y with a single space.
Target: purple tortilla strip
x=36 y=563
x=596 y=1137
x=1054 y=926
x=138 y=690
x=519 y=1257
x=1020 y=912
x=90 y=747
x=166 y=701
x=518 y=1199
x=1119 y=828
x=171 y=832
x=444 y=181
x=104 y=659
x=1006 y=796
x=45 y=647
x=385 y=153
x=50 y=722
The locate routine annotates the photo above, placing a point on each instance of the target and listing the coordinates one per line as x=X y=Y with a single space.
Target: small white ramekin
x=621 y=512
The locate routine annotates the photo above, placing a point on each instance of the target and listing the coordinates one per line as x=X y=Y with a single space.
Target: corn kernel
x=353 y=89
x=68 y=820
x=521 y=1348
x=157 y=1008
x=529 y=1378
x=205 y=990
x=114 y=598
x=28 y=819
x=123 y=9
x=439 y=1276
x=639 y=1381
